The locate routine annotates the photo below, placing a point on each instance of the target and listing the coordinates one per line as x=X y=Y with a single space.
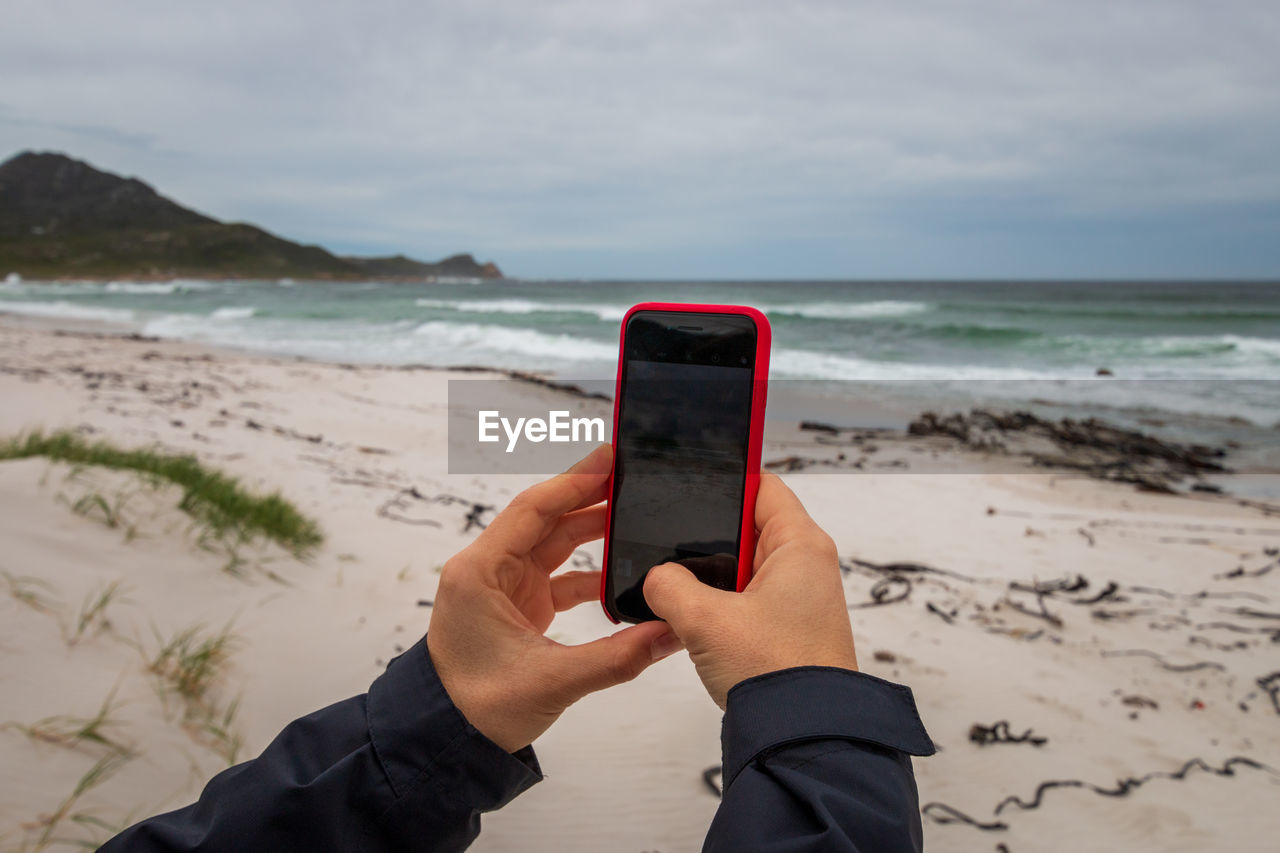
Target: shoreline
x=890 y=423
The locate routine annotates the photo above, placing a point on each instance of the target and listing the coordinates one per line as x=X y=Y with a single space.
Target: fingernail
x=666 y=644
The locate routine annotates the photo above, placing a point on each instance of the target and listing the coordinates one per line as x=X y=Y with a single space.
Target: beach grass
x=102 y=770
x=94 y=609
x=209 y=496
x=72 y=731
x=31 y=591
x=189 y=662
x=216 y=730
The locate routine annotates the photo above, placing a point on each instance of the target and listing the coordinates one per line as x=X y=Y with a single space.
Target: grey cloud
x=549 y=129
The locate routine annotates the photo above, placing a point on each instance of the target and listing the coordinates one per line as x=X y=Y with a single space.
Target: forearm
x=819 y=759
x=398 y=768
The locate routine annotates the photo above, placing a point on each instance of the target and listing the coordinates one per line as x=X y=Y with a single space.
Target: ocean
x=1205 y=353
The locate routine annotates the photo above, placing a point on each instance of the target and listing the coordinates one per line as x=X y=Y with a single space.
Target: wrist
x=474 y=709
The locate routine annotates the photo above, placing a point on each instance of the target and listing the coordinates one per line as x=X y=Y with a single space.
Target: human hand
x=792 y=613
x=498 y=596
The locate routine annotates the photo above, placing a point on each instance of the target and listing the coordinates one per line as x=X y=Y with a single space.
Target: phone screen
x=684 y=424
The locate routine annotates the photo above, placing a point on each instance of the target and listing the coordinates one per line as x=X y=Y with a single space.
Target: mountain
x=62 y=218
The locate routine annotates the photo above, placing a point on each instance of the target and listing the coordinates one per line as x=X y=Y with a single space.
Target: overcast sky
x=797 y=138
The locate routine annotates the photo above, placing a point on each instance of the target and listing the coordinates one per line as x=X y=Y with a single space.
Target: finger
x=576 y=528
x=573 y=588
x=675 y=595
x=776 y=503
x=531 y=514
x=614 y=659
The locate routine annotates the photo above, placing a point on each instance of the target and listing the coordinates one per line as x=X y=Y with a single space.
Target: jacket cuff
x=420 y=736
x=817 y=703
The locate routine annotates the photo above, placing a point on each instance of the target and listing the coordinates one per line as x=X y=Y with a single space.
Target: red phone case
x=759 y=394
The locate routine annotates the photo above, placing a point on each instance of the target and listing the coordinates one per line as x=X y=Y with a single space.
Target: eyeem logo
x=558 y=427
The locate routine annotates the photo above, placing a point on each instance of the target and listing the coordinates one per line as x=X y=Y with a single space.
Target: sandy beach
x=1099 y=666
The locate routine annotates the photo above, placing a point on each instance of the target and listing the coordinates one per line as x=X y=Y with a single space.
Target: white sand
x=625 y=764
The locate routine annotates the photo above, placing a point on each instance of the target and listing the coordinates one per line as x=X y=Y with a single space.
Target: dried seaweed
x=941 y=813
x=888 y=590
x=949 y=618
x=1107 y=615
x=945 y=814
x=397 y=507
x=1200 y=596
x=1095 y=447
x=710 y=777
x=1238 y=645
x=1271 y=684
x=1043 y=613
x=998 y=732
x=1108 y=593
x=1076 y=584
x=1124 y=786
x=1249 y=612
x=909 y=569
x=1172 y=667
x=1242 y=572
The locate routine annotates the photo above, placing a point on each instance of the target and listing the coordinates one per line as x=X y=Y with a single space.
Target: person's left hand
x=498 y=596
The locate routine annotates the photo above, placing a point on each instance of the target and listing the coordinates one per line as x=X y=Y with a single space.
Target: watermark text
x=557 y=427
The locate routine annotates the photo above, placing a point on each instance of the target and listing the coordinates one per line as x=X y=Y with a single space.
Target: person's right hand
x=792 y=613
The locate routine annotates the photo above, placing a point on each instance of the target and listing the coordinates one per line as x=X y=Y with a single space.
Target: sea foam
x=849 y=310
x=68 y=310
x=525 y=306
x=479 y=338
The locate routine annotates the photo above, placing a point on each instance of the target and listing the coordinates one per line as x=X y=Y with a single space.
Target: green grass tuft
x=190 y=663
x=101 y=771
x=94 y=610
x=209 y=496
x=66 y=730
x=31 y=591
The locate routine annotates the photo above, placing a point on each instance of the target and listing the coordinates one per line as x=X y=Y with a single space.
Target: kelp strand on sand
x=1124 y=786
x=998 y=732
x=1270 y=684
x=1164 y=664
x=400 y=507
x=941 y=813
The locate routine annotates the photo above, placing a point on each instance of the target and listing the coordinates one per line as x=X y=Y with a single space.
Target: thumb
x=675 y=595
x=614 y=659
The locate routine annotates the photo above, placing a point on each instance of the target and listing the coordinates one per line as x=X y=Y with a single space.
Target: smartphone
x=688 y=419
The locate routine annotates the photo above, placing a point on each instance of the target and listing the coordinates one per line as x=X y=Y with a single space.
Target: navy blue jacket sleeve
x=398 y=768
x=817 y=758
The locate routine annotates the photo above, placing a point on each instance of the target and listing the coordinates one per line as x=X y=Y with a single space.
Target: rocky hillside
x=62 y=218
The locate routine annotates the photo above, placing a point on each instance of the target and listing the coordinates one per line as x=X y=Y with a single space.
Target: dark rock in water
x=1092 y=446
x=819 y=426
x=1104 y=371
